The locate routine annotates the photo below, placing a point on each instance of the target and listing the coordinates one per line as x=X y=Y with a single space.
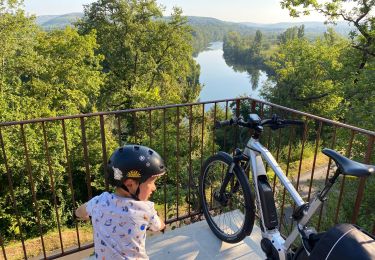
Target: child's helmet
x=136 y=162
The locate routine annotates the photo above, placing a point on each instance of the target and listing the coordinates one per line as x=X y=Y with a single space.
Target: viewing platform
x=194 y=241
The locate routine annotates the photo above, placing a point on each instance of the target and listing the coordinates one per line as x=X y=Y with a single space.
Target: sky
x=258 y=11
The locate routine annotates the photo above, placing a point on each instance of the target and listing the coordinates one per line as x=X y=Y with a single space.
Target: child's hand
x=81 y=212
x=162 y=227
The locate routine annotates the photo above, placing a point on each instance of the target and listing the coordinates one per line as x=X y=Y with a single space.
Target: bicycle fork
x=221 y=196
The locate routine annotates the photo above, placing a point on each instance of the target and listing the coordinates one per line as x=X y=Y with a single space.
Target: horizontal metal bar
x=360 y=130
x=30 y=121
x=185 y=216
x=325 y=120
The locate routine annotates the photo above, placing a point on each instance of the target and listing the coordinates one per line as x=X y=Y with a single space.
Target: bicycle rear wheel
x=231 y=215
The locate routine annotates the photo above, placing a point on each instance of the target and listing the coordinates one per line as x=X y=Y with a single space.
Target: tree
x=71 y=78
x=301 y=31
x=148 y=61
x=357 y=71
x=306 y=77
x=16 y=54
x=361 y=16
x=257 y=43
x=291 y=33
x=44 y=75
x=331 y=36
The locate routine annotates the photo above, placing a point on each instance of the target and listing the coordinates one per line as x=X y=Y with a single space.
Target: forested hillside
x=207 y=29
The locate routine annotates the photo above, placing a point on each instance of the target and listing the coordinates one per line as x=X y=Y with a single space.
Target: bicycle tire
x=238 y=224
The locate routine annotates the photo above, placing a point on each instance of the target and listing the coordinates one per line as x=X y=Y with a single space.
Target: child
x=120 y=219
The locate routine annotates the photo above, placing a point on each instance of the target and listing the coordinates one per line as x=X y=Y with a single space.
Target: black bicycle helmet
x=136 y=162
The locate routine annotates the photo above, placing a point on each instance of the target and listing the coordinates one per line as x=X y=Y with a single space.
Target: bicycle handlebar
x=274 y=123
x=219 y=124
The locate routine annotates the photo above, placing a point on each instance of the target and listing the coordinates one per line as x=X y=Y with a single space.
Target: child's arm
x=81 y=212
x=156 y=223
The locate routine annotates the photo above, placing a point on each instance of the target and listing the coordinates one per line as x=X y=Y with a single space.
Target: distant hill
x=49 y=22
x=61 y=21
x=310 y=27
x=209 y=21
x=44 y=18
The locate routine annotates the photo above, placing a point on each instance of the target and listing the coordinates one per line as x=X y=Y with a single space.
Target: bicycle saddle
x=347 y=166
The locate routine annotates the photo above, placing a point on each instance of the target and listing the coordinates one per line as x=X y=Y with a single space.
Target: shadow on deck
x=195 y=241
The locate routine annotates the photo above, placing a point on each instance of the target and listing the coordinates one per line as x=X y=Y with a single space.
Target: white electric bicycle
x=227 y=198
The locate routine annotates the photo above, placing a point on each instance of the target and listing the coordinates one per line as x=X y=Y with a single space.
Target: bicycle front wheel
x=230 y=214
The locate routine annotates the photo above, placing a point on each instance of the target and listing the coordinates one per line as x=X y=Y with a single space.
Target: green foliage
x=125 y=55
x=144 y=55
x=244 y=54
x=243 y=50
x=295 y=152
x=332 y=76
x=46 y=74
x=306 y=77
x=292 y=33
x=206 y=30
x=132 y=59
x=360 y=15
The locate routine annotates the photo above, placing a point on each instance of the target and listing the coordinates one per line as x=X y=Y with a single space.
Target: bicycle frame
x=256 y=153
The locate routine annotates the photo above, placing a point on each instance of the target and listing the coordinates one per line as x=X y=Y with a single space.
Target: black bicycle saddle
x=349 y=167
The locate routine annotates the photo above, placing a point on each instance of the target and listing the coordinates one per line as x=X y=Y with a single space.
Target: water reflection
x=253 y=70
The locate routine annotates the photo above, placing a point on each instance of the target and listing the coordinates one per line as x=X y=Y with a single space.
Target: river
x=221 y=81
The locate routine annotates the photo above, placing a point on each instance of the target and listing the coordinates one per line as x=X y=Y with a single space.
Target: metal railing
x=51 y=165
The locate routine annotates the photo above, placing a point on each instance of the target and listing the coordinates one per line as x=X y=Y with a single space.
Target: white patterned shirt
x=120 y=226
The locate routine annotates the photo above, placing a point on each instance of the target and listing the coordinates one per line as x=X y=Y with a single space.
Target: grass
x=51 y=240
x=306 y=166
x=321 y=160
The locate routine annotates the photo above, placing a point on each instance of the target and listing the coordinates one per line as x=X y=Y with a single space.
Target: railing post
x=165 y=161
x=10 y=183
x=190 y=158
x=348 y=152
x=52 y=183
x=70 y=178
x=178 y=159
x=32 y=185
x=86 y=158
x=238 y=113
x=253 y=106
x=314 y=161
x=104 y=151
x=370 y=146
x=202 y=137
x=2 y=247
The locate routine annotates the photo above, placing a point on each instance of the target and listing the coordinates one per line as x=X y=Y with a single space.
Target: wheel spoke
x=224 y=215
